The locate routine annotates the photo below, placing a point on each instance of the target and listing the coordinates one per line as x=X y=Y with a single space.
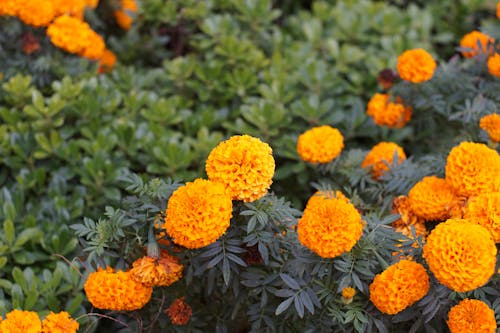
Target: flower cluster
x=154 y=272
x=471 y=315
x=484 y=210
x=416 y=66
x=19 y=321
x=329 y=226
x=179 y=312
x=460 y=254
x=387 y=113
x=475 y=43
x=381 y=157
x=125 y=14
x=399 y=286
x=491 y=124
x=244 y=165
x=320 y=144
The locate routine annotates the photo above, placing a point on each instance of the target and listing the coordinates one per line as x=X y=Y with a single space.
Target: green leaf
x=283 y=306
x=31 y=299
x=33 y=234
x=17 y=297
x=9 y=232
x=20 y=279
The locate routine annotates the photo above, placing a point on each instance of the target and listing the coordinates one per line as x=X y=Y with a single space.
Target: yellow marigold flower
x=125 y=15
x=59 y=323
x=198 y=213
x=387 y=113
x=107 y=62
x=472 y=40
x=399 y=286
x=18 y=321
x=472 y=169
x=320 y=144
x=348 y=292
x=244 y=164
x=36 y=13
x=9 y=7
x=179 y=312
x=160 y=272
x=329 y=226
x=471 y=315
x=484 y=209
x=494 y=65
x=491 y=124
x=381 y=157
x=433 y=199
x=109 y=290
x=460 y=254
x=416 y=66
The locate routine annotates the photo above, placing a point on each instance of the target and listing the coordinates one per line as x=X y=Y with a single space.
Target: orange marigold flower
x=110 y=290
x=320 y=144
x=484 y=209
x=491 y=124
x=494 y=65
x=36 y=13
x=498 y=10
x=433 y=199
x=9 y=7
x=381 y=157
x=179 y=312
x=387 y=113
x=476 y=42
x=92 y=3
x=18 y=321
x=154 y=272
x=107 y=62
x=125 y=15
x=198 y=213
x=416 y=65
x=460 y=254
x=329 y=226
x=401 y=206
x=399 y=286
x=420 y=229
x=348 y=292
x=472 y=169
x=59 y=323
x=317 y=198
x=244 y=164
x=471 y=315
x=70 y=7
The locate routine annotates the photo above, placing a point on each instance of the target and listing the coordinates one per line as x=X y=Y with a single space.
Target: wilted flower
x=179 y=312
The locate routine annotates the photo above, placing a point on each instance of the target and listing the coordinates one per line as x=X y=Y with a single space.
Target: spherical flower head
x=317 y=198
x=95 y=46
x=92 y=3
x=399 y=286
x=484 y=209
x=472 y=169
x=320 y=144
x=154 y=272
x=329 y=226
x=9 y=7
x=179 y=312
x=491 y=124
x=125 y=15
x=348 y=292
x=460 y=254
x=244 y=165
x=416 y=66
x=70 y=7
x=59 y=323
x=433 y=199
x=36 y=13
x=107 y=62
x=494 y=65
x=471 y=315
x=198 y=213
x=381 y=157
x=477 y=42
x=18 y=321
x=109 y=290
x=387 y=113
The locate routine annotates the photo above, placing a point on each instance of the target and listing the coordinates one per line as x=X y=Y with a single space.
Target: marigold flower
x=70 y=7
x=498 y=10
x=317 y=198
x=416 y=66
x=154 y=272
x=471 y=315
x=348 y=292
x=399 y=286
x=484 y=209
x=320 y=144
x=477 y=42
x=179 y=312
x=329 y=226
x=494 y=65
x=110 y=290
x=491 y=124
x=460 y=254
x=92 y=3
x=387 y=77
x=9 y=7
x=198 y=213
x=59 y=323
x=18 y=321
x=107 y=62
x=125 y=15
x=387 y=113
x=472 y=169
x=36 y=13
x=381 y=157
x=244 y=164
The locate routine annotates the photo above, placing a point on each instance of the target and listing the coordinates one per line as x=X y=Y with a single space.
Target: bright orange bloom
x=320 y=144
x=387 y=113
x=348 y=292
x=125 y=15
x=18 y=321
x=461 y=254
x=70 y=7
x=92 y=3
x=9 y=7
x=491 y=124
x=160 y=272
x=484 y=209
x=494 y=65
x=477 y=42
x=107 y=62
x=179 y=312
x=36 y=13
x=59 y=323
x=416 y=66
x=498 y=10
x=471 y=315
x=381 y=157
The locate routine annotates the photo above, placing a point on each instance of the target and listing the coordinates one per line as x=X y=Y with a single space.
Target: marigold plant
x=381 y=157
x=59 y=323
x=460 y=254
x=476 y=42
x=198 y=213
x=416 y=66
x=320 y=144
x=399 y=286
x=125 y=14
x=387 y=113
x=244 y=164
x=329 y=226
x=179 y=312
x=471 y=315
x=110 y=290
x=484 y=209
x=154 y=272
x=491 y=124
x=19 y=321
